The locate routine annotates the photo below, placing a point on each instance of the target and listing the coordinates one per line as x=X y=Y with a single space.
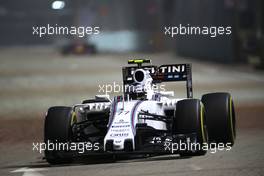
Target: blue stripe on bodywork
x=133 y=115
x=114 y=106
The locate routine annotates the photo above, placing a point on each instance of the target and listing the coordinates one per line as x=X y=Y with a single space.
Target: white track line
x=29 y=171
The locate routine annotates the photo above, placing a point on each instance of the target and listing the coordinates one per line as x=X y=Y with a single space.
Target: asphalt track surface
x=33 y=79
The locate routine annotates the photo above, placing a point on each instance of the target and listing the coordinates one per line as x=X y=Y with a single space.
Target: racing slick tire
x=220 y=118
x=189 y=118
x=57 y=129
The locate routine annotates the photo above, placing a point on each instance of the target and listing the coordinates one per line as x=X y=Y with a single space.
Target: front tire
x=220 y=118
x=188 y=119
x=57 y=130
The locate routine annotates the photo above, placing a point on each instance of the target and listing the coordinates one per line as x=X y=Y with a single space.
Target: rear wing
x=163 y=73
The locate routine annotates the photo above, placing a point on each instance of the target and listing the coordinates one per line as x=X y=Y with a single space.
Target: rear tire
x=189 y=118
x=220 y=117
x=57 y=129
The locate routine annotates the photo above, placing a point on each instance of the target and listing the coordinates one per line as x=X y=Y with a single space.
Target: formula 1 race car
x=142 y=120
x=78 y=48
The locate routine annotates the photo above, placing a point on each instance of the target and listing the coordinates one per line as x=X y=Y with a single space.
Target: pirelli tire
x=57 y=129
x=220 y=118
x=189 y=118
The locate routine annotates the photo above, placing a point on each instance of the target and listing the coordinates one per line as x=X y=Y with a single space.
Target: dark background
x=139 y=25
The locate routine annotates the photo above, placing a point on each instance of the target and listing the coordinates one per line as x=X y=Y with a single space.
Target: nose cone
x=118 y=144
x=121 y=131
x=119 y=137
